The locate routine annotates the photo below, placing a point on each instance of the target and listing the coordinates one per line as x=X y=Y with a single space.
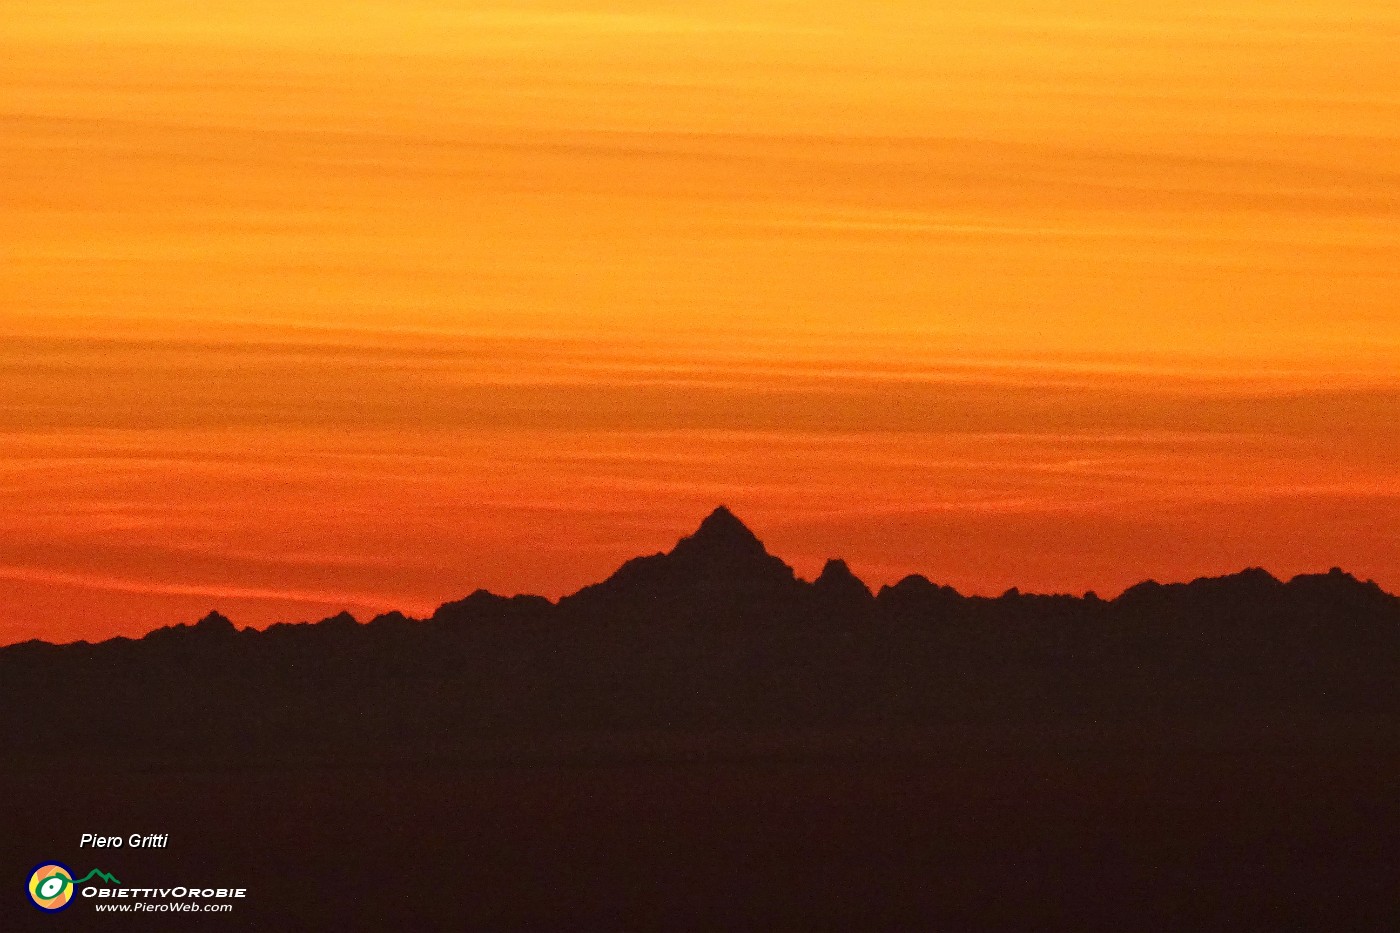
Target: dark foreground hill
x=716 y=648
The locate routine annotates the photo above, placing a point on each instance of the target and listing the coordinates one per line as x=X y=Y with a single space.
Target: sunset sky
x=310 y=306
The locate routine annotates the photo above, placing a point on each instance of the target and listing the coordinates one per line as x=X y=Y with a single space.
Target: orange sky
x=310 y=305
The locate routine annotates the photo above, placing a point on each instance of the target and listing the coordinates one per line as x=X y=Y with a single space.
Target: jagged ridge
x=724 y=568
x=718 y=638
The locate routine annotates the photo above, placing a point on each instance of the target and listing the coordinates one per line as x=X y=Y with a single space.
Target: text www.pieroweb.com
x=182 y=900
x=165 y=907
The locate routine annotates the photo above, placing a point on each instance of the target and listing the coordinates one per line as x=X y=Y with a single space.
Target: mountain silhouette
x=724 y=543
x=718 y=642
x=720 y=570
x=703 y=740
x=836 y=582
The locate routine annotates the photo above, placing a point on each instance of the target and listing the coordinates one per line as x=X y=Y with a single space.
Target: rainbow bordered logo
x=51 y=885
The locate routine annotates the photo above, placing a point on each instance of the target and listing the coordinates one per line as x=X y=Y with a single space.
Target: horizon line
x=1089 y=595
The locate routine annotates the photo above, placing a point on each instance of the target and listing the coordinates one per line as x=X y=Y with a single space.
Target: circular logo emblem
x=51 y=886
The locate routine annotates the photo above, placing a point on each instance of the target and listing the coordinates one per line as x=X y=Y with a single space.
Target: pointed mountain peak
x=341 y=620
x=721 y=533
x=836 y=572
x=1258 y=576
x=724 y=525
x=215 y=625
x=722 y=559
x=214 y=622
x=836 y=578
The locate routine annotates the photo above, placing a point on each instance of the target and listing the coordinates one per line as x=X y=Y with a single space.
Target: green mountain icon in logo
x=98 y=873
